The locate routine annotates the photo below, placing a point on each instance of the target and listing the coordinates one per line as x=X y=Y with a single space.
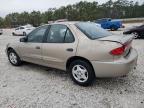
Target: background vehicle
x=137 y=31
x=1 y=31
x=82 y=48
x=98 y=25
x=23 y=30
x=108 y=23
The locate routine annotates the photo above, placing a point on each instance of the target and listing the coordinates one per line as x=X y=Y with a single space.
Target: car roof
x=66 y=22
x=63 y=23
x=26 y=26
x=104 y=19
x=20 y=26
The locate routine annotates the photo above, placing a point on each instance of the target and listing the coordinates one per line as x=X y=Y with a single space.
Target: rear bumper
x=117 y=68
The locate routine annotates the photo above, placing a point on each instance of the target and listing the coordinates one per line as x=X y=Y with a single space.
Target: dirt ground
x=33 y=86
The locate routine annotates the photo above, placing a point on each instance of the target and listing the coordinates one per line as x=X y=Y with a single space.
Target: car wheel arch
x=10 y=48
x=113 y=26
x=135 y=31
x=74 y=58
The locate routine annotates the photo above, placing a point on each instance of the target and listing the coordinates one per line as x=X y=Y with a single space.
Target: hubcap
x=13 y=58
x=135 y=35
x=80 y=73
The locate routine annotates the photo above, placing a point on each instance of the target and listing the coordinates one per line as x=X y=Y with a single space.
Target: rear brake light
x=118 y=51
x=121 y=50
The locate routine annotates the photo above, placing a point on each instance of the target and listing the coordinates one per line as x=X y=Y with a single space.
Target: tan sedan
x=82 y=48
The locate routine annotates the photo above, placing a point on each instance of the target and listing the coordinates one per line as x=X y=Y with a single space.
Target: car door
x=17 y=30
x=60 y=45
x=31 y=50
x=21 y=29
x=105 y=24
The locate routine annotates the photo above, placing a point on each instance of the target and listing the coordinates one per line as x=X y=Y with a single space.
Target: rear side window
x=92 y=31
x=69 y=38
x=21 y=27
x=17 y=29
x=60 y=34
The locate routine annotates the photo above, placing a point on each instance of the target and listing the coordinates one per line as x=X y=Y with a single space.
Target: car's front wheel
x=113 y=28
x=81 y=72
x=135 y=34
x=14 y=58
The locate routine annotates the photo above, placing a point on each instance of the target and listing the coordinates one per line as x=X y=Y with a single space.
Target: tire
x=82 y=73
x=24 y=34
x=13 y=34
x=113 y=28
x=136 y=35
x=13 y=58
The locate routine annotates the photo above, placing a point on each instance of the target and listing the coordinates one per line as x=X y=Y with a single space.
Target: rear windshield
x=92 y=30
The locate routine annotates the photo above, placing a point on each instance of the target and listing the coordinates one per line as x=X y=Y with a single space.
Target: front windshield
x=91 y=30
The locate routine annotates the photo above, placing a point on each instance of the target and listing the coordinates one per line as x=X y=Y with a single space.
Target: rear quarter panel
x=95 y=50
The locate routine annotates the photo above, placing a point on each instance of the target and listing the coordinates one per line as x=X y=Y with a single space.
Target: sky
x=9 y=6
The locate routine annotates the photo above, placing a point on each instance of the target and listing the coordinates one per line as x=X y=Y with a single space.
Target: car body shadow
x=106 y=83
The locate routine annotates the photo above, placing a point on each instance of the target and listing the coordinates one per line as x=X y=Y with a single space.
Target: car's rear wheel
x=135 y=34
x=13 y=34
x=113 y=28
x=24 y=34
x=14 y=58
x=81 y=72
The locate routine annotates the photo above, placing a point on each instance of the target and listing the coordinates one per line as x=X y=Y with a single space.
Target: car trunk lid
x=125 y=42
x=118 y=38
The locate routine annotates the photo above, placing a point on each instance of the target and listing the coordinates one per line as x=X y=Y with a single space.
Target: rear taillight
x=118 y=51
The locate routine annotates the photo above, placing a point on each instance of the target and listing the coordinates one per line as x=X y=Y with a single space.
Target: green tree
x=83 y=11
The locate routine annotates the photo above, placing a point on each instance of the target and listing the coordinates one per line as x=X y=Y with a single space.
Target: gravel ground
x=33 y=86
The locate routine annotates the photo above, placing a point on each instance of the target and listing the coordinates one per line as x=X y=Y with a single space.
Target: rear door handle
x=37 y=47
x=70 y=49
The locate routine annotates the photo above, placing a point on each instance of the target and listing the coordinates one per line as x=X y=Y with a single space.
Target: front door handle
x=70 y=49
x=37 y=47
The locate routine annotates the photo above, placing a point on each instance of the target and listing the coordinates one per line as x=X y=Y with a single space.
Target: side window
x=37 y=35
x=17 y=29
x=69 y=38
x=57 y=33
x=21 y=28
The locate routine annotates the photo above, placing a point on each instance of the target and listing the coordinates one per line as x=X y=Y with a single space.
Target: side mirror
x=23 y=39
